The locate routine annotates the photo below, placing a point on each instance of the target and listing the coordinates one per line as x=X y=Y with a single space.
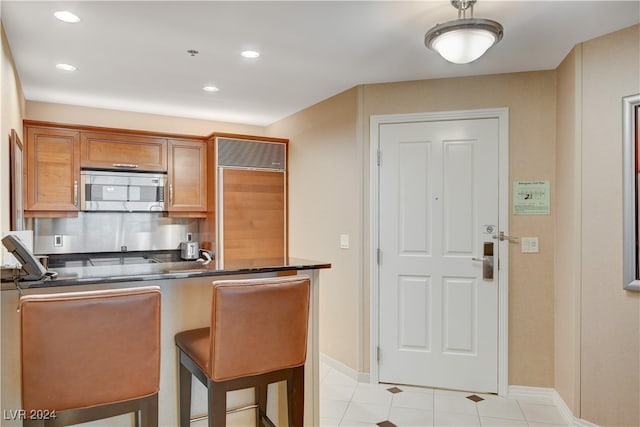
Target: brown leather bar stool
x=258 y=336
x=90 y=355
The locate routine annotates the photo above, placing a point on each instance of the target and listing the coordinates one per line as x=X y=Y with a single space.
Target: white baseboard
x=547 y=396
x=361 y=377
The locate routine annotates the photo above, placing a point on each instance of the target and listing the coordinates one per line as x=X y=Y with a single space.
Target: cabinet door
x=53 y=170
x=253 y=217
x=127 y=152
x=187 y=176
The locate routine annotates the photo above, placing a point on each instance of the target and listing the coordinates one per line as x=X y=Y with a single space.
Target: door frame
x=502 y=114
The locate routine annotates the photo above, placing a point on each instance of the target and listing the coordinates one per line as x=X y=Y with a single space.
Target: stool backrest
x=81 y=349
x=258 y=326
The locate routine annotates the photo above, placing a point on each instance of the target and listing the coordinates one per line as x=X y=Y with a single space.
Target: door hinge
x=379 y=154
x=378 y=256
x=378 y=353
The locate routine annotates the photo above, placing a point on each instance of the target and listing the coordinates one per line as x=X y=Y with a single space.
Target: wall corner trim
x=548 y=396
x=361 y=377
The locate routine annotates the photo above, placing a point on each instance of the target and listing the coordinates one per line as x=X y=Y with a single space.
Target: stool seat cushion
x=195 y=344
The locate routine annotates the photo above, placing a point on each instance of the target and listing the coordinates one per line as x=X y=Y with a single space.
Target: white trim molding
x=361 y=377
x=547 y=396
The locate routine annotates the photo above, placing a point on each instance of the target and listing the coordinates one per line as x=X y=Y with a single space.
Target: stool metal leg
x=261 y=401
x=295 y=394
x=184 y=396
x=149 y=412
x=217 y=405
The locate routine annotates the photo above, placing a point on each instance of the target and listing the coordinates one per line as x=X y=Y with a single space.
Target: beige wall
x=597 y=323
x=71 y=114
x=530 y=98
x=11 y=112
x=565 y=127
x=568 y=200
x=610 y=346
x=329 y=195
x=325 y=196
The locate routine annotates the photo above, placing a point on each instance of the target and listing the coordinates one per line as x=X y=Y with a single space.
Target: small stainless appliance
x=122 y=191
x=189 y=250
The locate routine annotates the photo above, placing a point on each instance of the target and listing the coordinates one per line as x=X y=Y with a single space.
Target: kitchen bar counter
x=186 y=304
x=79 y=271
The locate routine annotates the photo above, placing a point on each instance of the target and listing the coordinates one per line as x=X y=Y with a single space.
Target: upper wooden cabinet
x=53 y=171
x=187 y=176
x=254 y=203
x=126 y=152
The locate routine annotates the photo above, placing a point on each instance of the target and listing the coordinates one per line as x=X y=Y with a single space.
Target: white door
x=438 y=210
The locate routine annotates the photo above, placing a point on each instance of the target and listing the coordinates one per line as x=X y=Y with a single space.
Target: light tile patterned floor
x=347 y=403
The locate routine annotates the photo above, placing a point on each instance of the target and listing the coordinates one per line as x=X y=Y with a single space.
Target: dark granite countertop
x=80 y=273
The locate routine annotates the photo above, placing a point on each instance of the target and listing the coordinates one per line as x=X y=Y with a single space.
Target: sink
x=122 y=261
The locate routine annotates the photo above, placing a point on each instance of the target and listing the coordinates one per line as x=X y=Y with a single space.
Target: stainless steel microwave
x=122 y=191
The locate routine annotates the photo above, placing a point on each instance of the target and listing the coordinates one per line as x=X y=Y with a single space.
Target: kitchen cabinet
x=251 y=203
x=52 y=171
x=187 y=178
x=102 y=150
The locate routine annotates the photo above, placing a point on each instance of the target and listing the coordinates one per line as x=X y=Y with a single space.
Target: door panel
x=458 y=205
x=414 y=296
x=53 y=171
x=414 y=210
x=460 y=315
x=438 y=317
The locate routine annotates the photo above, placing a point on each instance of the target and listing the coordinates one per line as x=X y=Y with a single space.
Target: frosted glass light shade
x=463 y=40
x=463 y=46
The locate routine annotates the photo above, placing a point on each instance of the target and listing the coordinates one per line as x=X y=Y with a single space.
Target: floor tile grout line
x=433 y=404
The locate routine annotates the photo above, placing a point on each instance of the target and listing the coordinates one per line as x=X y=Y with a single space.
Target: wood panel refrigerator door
x=438 y=207
x=253 y=223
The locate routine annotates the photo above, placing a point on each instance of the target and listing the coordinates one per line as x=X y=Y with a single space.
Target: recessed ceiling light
x=251 y=54
x=66 y=16
x=65 y=67
x=210 y=89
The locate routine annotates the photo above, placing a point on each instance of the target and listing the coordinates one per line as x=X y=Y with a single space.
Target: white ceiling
x=133 y=55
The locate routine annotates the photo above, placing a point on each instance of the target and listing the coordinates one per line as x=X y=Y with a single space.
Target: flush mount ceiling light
x=210 y=89
x=65 y=67
x=66 y=16
x=250 y=54
x=463 y=40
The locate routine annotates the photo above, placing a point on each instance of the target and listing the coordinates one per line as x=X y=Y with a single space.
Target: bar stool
x=258 y=336
x=90 y=355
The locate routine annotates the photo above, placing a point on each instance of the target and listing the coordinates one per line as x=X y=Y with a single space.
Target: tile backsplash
x=110 y=232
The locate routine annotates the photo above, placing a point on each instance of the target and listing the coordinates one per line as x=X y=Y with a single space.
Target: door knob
x=500 y=236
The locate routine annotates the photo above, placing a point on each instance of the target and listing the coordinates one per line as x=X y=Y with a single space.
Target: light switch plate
x=530 y=245
x=344 y=241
